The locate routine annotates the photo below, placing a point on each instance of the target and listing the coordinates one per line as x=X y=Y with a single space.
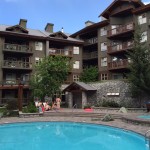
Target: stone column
x=84 y=99
x=47 y=48
x=70 y=100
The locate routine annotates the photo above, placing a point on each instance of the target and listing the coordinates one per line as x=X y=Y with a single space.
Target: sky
x=69 y=14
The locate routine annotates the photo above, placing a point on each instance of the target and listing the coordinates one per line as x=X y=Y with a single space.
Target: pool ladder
x=147 y=139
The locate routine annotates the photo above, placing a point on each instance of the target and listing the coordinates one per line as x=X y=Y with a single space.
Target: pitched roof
x=115 y=3
x=79 y=86
x=142 y=9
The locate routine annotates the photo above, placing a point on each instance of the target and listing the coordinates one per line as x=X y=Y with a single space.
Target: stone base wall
x=106 y=90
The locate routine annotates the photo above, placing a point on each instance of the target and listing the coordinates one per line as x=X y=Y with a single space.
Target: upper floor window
x=144 y=37
x=104 y=76
x=75 y=50
x=104 y=61
x=103 y=46
x=76 y=78
x=39 y=46
x=37 y=60
x=76 y=65
x=142 y=19
x=103 y=31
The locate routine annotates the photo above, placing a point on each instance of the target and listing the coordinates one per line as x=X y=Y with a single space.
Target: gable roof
x=142 y=9
x=11 y=28
x=58 y=33
x=79 y=86
x=116 y=3
x=95 y=26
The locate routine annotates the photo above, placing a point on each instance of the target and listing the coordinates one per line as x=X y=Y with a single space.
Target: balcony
x=8 y=64
x=91 y=55
x=62 y=52
x=120 y=30
x=17 y=48
x=120 y=47
x=91 y=41
x=120 y=64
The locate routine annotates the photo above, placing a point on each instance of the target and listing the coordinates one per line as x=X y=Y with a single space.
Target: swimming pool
x=144 y=117
x=67 y=136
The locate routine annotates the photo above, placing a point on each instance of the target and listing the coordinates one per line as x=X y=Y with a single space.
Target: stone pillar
x=70 y=100
x=47 y=48
x=84 y=99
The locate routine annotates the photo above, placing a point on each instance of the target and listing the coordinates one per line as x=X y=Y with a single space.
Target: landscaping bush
x=12 y=105
x=31 y=108
x=110 y=104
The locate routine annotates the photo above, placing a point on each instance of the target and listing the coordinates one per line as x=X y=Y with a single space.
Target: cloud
x=146 y=3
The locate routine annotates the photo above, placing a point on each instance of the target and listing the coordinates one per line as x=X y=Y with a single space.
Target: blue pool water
x=144 y=116
x=67 y=136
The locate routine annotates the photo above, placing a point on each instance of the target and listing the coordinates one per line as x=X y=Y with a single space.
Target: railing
x=63 y=52
x=73 y=107
x=90 y=55
x=17 y=48
x=16 y=64
x=91 y=41
x=119 y=64
x=5 y=100
x=147 y=138
x=121 y=29
x=13 y=82
x=120 y=47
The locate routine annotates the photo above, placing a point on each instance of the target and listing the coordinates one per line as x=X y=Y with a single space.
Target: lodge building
x=103 y=44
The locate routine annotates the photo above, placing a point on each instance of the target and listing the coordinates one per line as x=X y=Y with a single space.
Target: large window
x=75 y=50
x=144 y=37
x=104 y=61
x=104 y=76
x=39 y=46
x=103 y=46
x=76 y=78
x=103 y=31
x=142 y=19
x=76 y=65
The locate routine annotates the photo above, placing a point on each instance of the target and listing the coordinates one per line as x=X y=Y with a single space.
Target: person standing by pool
x=58 y=101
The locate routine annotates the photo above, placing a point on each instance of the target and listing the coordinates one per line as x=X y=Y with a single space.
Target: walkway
x=116 y=123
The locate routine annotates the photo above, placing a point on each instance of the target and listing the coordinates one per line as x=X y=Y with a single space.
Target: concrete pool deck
x=139 y=128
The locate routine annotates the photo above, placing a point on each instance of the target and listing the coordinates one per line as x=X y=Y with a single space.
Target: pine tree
x=139 y=75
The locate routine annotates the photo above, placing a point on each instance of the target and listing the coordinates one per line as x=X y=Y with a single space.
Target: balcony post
x=20 y=94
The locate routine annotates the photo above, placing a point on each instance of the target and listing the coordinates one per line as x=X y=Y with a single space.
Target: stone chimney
x=88 y=23
x=49 y=27
x=23 y=23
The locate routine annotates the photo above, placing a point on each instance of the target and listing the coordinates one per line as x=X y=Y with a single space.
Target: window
x=10 y=78
x=142 y=19
x=75 y=50
x=76 y=65
x=104 y=76
x=39 y=46
x=103 y=31
x=37 y=60
x=104 y=61
x=76 y=78
x=144 y=37
x=103 y=46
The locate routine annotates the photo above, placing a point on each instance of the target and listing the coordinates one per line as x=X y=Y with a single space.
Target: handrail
x=147 y=138
x=73 y=107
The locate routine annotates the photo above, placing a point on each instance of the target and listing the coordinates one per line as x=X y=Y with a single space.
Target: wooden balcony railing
x=121 y=29
x=13 y=82
x=62 y=52
x=90 y=55
x=120 y=64
x=16 y=64
x=5 y=100
x=17 y=48
x=91 y=41
x=120 y=47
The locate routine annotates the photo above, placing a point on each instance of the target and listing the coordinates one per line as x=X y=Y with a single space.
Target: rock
x=123 y=110
x=108 y=117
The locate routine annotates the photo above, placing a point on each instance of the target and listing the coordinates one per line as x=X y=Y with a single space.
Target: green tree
x=139 y=75
x=90 y=74
x=49 y=74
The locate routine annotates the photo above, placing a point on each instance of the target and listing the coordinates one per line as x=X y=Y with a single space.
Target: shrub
x=110 y=104
x=12 y=105
x=31 y=108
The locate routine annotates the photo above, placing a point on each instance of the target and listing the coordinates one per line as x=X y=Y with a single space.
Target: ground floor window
x=76 y=78
x=104 y=76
